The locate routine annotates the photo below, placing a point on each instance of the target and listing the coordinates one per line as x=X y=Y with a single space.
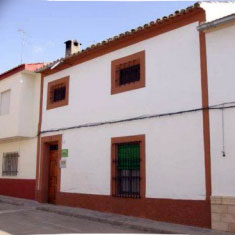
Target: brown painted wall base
x=188 y=212
x=22 y=188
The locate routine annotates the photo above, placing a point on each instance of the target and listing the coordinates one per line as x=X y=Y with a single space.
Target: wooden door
x=53 y=172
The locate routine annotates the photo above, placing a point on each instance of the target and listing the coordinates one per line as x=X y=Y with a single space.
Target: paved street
x=27 y=220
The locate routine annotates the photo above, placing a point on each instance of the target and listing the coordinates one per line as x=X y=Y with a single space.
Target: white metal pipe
x=215 y=23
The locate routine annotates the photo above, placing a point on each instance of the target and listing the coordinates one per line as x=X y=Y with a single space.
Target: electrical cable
x=213 y=107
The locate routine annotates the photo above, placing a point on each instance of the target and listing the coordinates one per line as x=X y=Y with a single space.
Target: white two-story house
x=124 y=124
x=19 y=114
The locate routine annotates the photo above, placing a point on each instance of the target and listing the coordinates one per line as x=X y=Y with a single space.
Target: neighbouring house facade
x=19 y=114
x=124 y=125
x=220 y=66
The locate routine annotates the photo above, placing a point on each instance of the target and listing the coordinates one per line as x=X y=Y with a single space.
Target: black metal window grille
x=10 y=164
x=127 y=168
x=129 y=74
x=58 y=93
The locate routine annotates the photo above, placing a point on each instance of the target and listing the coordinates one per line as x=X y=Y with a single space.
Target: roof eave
x=216 y=23
x=12 y=71
x=119 y=39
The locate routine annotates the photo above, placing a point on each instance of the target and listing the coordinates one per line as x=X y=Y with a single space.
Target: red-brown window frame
x=52 y=105
x=127 y=139
x=115 y=64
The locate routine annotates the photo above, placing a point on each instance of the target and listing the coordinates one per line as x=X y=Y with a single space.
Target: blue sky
x=49 y=24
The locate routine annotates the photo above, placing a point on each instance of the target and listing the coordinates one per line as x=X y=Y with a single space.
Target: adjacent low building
x=19 y=114
x=220 y=36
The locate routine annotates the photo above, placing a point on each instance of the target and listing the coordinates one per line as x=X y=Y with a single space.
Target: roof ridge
x=18 y=68
x=125 y=34
x=35 y=63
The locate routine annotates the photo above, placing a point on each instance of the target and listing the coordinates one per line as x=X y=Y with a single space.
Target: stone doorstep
x=222 y=200
x=223 y=213
x=221 y=209
x=144 y=225
x=224 y=226
x=231 y=227
x=228 y=218
x=223 y=221
x=231 y=209
x=215 y=217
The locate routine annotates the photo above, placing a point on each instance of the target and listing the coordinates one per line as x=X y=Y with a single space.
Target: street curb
x=143 y=225
x=140 y=224
x=11 y=202
x=108 y=221
x=18 y=201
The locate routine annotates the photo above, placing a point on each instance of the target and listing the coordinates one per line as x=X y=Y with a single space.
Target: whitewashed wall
x=172 y=83
x=174 y=157
x=27 y=150
x=9 y=122
x=22 y=119
x=221 y=74
x=29 y=104
x=174 y=145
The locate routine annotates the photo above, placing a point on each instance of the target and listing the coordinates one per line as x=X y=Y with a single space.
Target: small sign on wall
x=64 y=153
x=63 y=163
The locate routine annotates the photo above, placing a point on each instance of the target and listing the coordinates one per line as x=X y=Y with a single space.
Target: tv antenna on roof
x=22 y=43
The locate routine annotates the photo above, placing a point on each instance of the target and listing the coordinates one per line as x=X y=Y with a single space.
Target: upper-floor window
x=58 y=92
x=128 y=73
x=10 y=164
x=5 y=102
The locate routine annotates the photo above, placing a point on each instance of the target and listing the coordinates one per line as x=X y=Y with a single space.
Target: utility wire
x=213 y=107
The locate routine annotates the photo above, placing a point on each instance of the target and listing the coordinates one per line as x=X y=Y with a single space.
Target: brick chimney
x=71 y=47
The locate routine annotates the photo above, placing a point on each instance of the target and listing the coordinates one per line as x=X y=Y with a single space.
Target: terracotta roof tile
x=126 y=34
x=30 y=67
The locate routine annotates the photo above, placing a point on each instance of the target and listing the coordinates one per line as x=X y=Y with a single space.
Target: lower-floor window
x=10 y=164
x=128 y=169
x=127 y=162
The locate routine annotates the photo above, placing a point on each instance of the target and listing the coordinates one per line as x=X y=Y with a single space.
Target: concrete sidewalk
x=143 y=225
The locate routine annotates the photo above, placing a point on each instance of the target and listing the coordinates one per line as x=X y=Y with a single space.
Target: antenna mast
x=22 y=44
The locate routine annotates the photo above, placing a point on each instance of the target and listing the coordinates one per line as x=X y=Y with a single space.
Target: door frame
x=42 y=193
